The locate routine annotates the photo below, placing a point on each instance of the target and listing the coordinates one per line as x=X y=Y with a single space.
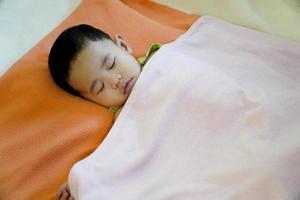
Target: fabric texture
x=213 y=116
x=44 y=130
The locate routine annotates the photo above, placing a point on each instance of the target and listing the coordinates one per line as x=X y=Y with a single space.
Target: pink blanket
x=215 y=115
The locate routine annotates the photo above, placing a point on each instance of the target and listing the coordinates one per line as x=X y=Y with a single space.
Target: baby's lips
x=128 y=85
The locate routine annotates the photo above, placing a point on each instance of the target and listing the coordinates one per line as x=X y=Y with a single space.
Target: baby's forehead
x=93 y=51
x=103 y=45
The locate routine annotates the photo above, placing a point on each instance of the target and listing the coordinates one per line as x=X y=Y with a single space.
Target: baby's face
x=104 y=73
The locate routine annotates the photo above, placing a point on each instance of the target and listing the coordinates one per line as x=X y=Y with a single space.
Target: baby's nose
x=115 y=80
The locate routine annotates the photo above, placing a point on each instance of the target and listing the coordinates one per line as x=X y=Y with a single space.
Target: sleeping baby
x=86 y=62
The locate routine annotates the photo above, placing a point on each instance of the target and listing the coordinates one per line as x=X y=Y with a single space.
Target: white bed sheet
x=279 y=17
x=25 y=22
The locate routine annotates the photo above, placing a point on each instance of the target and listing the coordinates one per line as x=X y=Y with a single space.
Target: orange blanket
x=44 y=130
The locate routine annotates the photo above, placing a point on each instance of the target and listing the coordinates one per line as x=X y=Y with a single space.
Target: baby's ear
x=123 y=44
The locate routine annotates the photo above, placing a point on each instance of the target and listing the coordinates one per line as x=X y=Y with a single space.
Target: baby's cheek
x=117 y=99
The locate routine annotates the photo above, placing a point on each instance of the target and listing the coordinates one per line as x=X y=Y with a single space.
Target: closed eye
x=113 y=64
x=101 y=89
x=98 y=86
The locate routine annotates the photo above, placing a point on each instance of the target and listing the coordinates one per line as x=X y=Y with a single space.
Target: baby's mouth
x=128 y=86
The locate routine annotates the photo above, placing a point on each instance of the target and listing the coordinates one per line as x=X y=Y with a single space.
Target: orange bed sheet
x=44 y=130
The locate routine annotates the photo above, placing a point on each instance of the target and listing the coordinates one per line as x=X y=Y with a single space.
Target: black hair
x=65 y=50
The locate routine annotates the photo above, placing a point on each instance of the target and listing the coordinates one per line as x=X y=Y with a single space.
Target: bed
x=45 y=131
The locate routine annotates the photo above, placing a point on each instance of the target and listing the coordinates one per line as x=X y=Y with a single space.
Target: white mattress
x=25 y=22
